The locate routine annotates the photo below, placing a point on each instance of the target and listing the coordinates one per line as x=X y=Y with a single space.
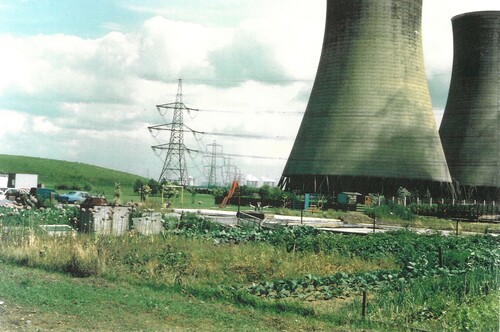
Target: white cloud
x=17 y=65
x=13 y=123
x=112 y=26
x=63 y=68
x=42 y=125
x=169 y=49
x=294 y=30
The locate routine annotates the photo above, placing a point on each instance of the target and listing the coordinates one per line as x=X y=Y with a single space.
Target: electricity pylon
x=174 y=166
x=212 y=156
x=230 y=172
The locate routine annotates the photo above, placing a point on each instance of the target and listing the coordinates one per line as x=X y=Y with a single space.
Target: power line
x=186 y=129
x=288 y=81
x=248 y=112
x=253 y=156
x=246 y=156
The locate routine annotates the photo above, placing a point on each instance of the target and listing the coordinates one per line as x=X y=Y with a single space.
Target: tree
x=137 y=186
x=264 y=192
x=169 y=190
x=155 y=187
x=118 y=194
x=248 y=191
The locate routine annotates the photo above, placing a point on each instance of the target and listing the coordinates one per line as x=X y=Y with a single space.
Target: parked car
x=43 y=194
x=74 y=197
x=13 y=194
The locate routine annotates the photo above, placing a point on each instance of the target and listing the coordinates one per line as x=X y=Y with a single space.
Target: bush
x=390 y=211
x=192 y=222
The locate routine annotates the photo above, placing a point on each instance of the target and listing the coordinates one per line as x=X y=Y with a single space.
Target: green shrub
x=390 y=211
x=192 y=222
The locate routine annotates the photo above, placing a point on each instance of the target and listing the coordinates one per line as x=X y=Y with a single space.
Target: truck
x=19 y=180
x=4 y=180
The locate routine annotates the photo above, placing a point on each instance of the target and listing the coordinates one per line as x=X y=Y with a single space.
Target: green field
x=54 y=173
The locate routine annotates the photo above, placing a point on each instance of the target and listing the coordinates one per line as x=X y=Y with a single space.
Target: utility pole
x=174 y=166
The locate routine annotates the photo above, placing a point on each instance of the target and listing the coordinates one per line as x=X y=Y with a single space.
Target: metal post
x=363 y=309
x=239 y=199
x=441 y=265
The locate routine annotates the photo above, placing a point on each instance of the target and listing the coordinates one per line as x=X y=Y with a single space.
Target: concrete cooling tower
x=470 y=130
x=369 y=124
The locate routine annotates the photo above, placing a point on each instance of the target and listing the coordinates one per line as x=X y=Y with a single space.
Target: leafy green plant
x=390 y=211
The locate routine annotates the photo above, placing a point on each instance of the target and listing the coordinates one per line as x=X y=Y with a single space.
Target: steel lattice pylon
x=214 y=152
x=174 y=167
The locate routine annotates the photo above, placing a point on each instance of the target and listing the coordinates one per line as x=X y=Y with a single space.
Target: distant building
x=268 y=182
x=252 y=181
x=255 y=182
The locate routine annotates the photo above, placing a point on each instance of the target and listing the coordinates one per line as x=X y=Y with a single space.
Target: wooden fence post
x=363 y=309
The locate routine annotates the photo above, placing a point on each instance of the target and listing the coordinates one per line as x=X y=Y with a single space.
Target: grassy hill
x=54 y=173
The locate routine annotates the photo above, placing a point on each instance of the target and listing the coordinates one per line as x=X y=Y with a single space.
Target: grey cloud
x=438 y=88
x=246 y=59
x=305 y=93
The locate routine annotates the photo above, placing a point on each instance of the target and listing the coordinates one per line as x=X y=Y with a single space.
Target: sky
x=80 y=79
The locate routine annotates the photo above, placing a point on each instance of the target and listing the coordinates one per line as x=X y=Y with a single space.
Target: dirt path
x=13 y=318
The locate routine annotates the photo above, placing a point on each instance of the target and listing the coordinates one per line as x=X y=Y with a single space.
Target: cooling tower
x=369 y=123
x=470 y=130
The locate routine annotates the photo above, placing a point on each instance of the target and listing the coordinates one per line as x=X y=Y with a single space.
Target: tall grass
x=173 y=259
x=467 y=302
x=76 y=256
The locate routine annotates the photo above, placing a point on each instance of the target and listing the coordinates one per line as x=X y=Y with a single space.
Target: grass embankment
x=53 y=173
x=200 y=276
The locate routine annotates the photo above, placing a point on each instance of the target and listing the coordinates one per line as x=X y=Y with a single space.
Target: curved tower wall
x=470 y=130
x=369 y=119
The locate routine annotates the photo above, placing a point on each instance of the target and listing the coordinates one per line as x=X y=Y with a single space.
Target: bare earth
x=14 y=318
